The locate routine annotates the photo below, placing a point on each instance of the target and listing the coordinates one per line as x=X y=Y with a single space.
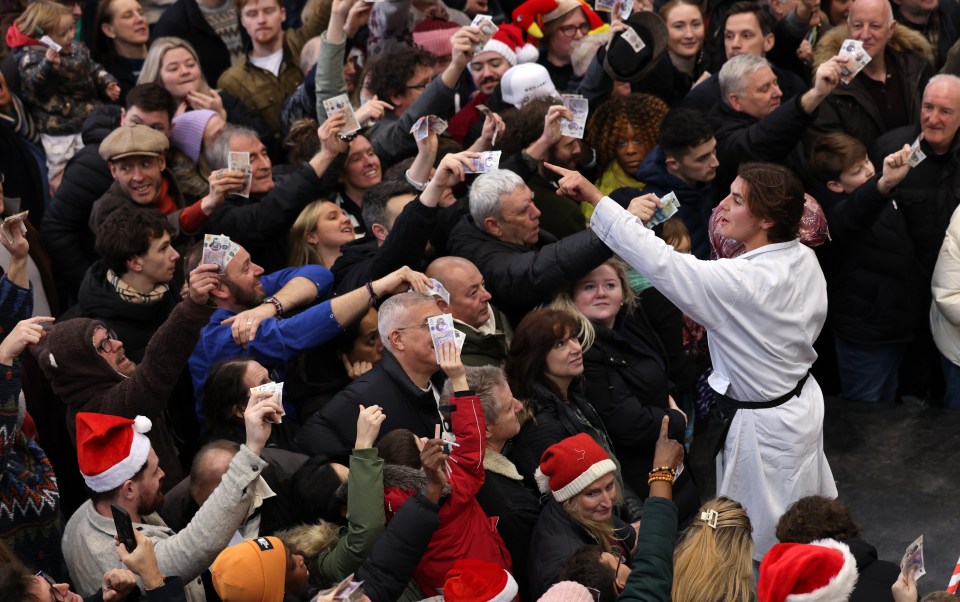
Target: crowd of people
x=291 y=421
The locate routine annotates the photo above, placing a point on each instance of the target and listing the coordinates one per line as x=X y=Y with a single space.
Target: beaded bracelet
x=663 y=469
x=660 y=476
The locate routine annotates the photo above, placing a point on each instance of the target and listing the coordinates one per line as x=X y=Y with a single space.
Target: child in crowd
x=61 y=83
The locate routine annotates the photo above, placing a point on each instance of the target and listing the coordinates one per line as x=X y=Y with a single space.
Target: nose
x=257 y=270
x=725 y=203
x=777 y=93
x=517 y=406
x=534 y=212
x=575 y=346
x=632 y=148
x=160 y=473
x=714 y=162
x=577 y=34
x=137 y=172
x=484 y=295
x=176 y=255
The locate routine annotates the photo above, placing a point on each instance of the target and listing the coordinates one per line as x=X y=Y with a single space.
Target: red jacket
x=459 y=125
x=465 y=530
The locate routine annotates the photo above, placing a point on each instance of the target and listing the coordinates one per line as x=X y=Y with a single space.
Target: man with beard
x=249 y=311
x=87 y=366
x=120 y=468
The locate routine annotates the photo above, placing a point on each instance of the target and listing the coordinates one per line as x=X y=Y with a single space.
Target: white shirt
x=762 y=310
x=270 y=62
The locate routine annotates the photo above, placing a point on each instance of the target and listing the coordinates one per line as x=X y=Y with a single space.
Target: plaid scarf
x=131 y=295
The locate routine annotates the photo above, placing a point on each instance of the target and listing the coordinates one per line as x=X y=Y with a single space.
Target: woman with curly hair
x=714 y=560
x=623 y=130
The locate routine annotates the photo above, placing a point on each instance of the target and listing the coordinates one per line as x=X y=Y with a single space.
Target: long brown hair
x=536 y=334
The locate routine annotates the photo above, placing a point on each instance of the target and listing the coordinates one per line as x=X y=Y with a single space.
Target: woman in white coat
x=762 y=310
x=945 y=311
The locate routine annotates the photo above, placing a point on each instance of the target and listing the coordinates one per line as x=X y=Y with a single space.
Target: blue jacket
x=696 y=204
x=278 y=340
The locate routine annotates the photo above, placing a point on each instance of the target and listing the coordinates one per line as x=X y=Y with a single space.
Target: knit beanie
x=569 y=467
x=111 y=449
x=470 y=580
x=508 y=43
x=251 y=571
x=567 y=591
x=820 y=571
x=434 y=35
x=186 y=135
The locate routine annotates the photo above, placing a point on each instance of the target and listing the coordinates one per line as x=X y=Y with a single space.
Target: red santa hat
x=508 y=43
x=821 y=571
x=470 y=580
x=569 y=467
x=111 y=449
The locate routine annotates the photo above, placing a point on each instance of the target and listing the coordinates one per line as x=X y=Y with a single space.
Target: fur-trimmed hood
x=904 y=39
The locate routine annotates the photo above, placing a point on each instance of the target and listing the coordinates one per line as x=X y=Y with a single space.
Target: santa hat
x=470 y=580
x=821 y=571
x=569 y=467
x=508 y=43
x=534 y=14
x=251 y=571
x=111 y=449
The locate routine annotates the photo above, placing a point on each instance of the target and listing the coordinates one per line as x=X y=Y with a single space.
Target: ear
x=221 y=292
x=379 y=232
x=163 y=162
x=735 y=103
x=113 y=169
x=492 y=226
x=768 y=41
x=766 y=224
x=108 y=30
x=396 y=340
x=135 y=264
x=835 y=186
x=128 y=490
x=443 y=305
x=313 y=237
x=672 y=164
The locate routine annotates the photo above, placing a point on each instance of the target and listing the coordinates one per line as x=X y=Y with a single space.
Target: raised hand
x=572 y=184
x=368 y=426
x=26 y=333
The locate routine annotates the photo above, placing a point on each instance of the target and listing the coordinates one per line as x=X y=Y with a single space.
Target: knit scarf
x=614 y=177
x=20 y=121
x=131 y=295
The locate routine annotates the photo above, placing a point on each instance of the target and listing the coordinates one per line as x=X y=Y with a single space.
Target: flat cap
x=131 y=140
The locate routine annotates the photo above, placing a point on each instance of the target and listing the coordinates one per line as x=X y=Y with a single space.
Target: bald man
x=486 y=328
x=886 y=94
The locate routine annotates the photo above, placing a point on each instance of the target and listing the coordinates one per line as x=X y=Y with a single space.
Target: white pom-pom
x=53 y=361
x=142 y=424
x=527 y=54
x=543 y=481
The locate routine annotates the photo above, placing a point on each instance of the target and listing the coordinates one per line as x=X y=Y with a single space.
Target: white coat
x=762 y=310
x=945 y=309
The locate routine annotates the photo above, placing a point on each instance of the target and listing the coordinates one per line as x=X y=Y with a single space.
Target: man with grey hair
x=753 y=125
x=522 y=265
x=406 y=383
x=261 y=221
x=886 y=94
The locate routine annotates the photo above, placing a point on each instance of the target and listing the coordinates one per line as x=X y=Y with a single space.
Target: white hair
x=393 y=312
x=486 y=191
x=942 y=77
x=734 y=73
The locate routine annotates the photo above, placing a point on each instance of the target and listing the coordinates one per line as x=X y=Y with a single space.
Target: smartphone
x=121 y=519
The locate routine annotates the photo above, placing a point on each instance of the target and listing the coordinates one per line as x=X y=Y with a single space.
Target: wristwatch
x=276 y=304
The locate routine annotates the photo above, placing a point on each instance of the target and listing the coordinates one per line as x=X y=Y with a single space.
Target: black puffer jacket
x=86 y=178
x=521 y=277
x=875 y=283
x=134 y=323
x=876 y=576
x=332 y=430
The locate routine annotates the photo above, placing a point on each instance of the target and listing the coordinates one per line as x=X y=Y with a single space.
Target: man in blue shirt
x=251 y=306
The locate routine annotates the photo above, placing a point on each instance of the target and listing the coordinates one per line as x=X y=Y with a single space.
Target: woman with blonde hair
x=318 y=233
x=173 y=63
x=714 y=560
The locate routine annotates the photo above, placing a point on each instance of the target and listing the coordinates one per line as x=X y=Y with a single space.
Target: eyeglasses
x=571 y=30
x=420 y=325
x=418 y=86
x=107 y=344
x=51 y=582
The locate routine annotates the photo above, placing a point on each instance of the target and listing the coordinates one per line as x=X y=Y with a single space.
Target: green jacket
x=486 y=349
x=366 y=518
x=262 y=91
x=651 y=574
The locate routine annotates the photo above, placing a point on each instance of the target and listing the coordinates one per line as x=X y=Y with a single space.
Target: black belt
x=721 y=416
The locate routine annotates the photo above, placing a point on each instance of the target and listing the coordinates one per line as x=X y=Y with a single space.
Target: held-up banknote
x=241 y=162
x=487 y=161
x=631 y=37
x=437 y=289
x=14 y=221
x=916 y=155
x=441 y=331
x=604 y=6
x=217 y=249
x=487 y=28
x=626 y=9
x=668 y=206
x=858 y=59
x=580 y=108
x=276 y=389
x=913 y=559
x=341 y=104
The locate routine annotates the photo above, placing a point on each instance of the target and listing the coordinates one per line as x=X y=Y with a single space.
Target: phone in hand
x=121 y=519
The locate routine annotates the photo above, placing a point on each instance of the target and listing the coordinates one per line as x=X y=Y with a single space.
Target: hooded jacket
x=850 y=108
x=58 y=98
x=86 y=383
